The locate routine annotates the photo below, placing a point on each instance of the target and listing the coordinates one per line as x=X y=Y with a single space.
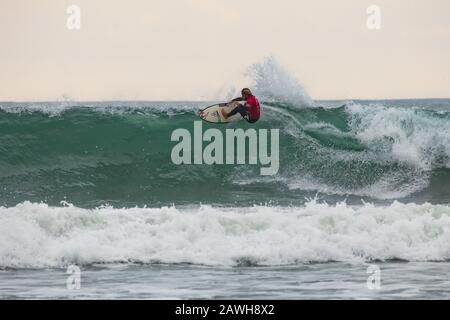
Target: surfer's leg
x=240 y=109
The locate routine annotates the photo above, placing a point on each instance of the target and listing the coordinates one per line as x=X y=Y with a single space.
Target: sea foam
x=36 y=235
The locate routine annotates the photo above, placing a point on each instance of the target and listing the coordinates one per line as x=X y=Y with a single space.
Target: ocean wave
x=87 y=154
x=119 y=152
x=37 y=235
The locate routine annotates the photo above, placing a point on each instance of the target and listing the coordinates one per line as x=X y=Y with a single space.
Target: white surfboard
x=213 y=114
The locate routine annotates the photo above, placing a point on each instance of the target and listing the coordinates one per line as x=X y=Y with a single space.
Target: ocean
x=359 y=208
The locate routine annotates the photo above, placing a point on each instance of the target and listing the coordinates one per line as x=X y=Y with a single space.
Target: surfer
x=250 y=111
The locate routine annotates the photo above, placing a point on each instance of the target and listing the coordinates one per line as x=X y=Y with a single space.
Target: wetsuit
x=250 y=111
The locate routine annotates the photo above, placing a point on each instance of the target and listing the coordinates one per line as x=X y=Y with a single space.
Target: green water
x=120 y=154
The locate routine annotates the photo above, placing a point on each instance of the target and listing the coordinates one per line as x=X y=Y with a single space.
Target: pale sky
x=188 y=49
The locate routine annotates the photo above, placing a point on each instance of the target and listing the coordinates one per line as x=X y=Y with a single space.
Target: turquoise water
x=93 y=184
x=92 y=154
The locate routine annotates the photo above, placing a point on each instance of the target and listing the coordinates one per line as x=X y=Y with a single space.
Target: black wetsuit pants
x=243 y=111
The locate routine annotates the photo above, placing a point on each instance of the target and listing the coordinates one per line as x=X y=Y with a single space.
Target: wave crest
x=36 y=235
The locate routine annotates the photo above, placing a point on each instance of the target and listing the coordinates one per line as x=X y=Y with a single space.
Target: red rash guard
x=253 y=108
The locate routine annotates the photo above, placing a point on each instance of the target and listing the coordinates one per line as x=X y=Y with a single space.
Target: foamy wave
x=269 y=81
x=272 y=82
x=408 y=135
x=110 y=107
x=36 y=235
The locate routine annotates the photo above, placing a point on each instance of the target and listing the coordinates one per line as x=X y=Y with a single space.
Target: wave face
x=67 y=168
x=119 y=154
x=35 y=235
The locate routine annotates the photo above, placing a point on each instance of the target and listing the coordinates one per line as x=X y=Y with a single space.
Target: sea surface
x=362 y=186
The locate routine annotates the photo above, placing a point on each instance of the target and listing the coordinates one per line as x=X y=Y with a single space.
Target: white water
x=269 y=81
x=415 y=136
x=35 y=235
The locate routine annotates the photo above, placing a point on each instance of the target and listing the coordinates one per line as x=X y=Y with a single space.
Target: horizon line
x=212 y=100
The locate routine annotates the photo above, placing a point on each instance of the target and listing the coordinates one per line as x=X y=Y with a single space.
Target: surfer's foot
x=224 y=113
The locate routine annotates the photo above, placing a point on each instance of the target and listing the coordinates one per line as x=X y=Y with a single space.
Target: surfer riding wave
x=250 y=111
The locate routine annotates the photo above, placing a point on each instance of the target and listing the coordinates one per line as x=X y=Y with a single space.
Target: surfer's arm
x=237 y=99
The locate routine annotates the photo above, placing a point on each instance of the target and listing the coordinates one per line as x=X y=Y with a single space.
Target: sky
x=188 y=49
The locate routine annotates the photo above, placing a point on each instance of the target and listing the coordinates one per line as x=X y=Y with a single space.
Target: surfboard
x=213 y=114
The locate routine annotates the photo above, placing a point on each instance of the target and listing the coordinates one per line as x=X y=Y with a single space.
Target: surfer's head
x=246 y=93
